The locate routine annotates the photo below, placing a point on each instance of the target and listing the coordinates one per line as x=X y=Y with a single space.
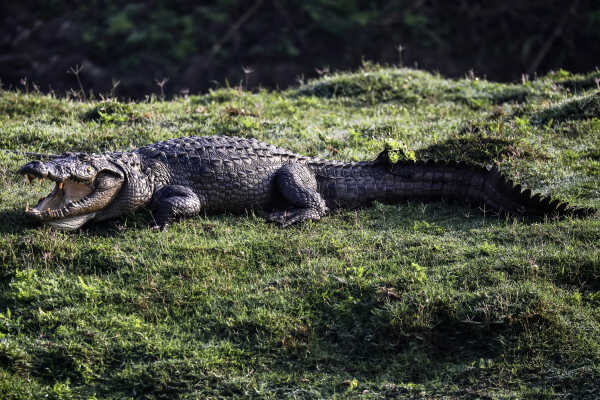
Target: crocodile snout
x=35 y=168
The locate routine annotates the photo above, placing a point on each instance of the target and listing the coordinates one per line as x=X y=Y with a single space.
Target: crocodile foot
x=289 y=217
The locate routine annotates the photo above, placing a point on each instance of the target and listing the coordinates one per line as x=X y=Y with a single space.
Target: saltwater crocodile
x=187 y=176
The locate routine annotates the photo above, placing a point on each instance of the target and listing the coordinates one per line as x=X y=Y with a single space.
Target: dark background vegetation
x=273 y=43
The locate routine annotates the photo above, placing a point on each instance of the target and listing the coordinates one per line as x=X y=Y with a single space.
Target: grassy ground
x=404 y=301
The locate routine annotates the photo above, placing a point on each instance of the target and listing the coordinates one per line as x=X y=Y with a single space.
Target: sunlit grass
x=390 y=301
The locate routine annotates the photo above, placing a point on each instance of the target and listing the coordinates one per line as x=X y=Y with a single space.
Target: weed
x=109 y=112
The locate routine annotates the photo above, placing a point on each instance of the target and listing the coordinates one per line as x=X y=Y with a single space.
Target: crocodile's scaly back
x=222 y=148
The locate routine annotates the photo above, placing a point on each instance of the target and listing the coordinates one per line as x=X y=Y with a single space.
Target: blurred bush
x=197 y=43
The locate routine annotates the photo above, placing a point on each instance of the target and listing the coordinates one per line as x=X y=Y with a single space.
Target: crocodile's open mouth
x=59 y=207
x=75 y=199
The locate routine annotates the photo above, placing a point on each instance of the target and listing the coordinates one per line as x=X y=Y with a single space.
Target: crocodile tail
x=485 y=188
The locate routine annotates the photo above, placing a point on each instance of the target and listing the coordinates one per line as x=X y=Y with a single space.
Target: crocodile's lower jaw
x=71 y=223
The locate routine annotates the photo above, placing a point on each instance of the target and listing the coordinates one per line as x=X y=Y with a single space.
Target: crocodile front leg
x=298 y=186
x=174 y=201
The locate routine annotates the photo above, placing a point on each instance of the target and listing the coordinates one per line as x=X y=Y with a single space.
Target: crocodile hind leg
x=298 y=186
x=172 y=202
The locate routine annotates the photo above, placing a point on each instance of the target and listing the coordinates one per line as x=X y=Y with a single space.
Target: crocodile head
x=85 y=184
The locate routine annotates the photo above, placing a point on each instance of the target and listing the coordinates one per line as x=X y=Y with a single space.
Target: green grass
x=415 y=300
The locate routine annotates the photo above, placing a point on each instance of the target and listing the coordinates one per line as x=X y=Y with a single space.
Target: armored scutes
x=183 y=177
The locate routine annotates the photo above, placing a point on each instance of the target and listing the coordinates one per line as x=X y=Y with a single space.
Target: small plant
x=76 y=70
x=109 y=112
x=247 y=72
x=398 y=152
x=161 y=84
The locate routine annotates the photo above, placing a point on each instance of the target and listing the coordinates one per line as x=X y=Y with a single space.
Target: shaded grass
x=584 y=107
x=415 y=300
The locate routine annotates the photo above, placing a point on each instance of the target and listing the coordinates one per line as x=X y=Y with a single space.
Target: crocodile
x=213 y=174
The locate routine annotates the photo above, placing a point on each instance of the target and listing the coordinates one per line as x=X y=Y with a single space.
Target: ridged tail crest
x=485 y=188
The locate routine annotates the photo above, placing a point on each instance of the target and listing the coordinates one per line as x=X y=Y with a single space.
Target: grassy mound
x=374 y=84
x=413 y=300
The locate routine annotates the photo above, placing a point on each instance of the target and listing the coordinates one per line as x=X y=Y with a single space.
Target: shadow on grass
x=444 y=213
x=356 y=342
x=364 y=325
x=356 y=336
x=15 y=221
x=479 y=150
